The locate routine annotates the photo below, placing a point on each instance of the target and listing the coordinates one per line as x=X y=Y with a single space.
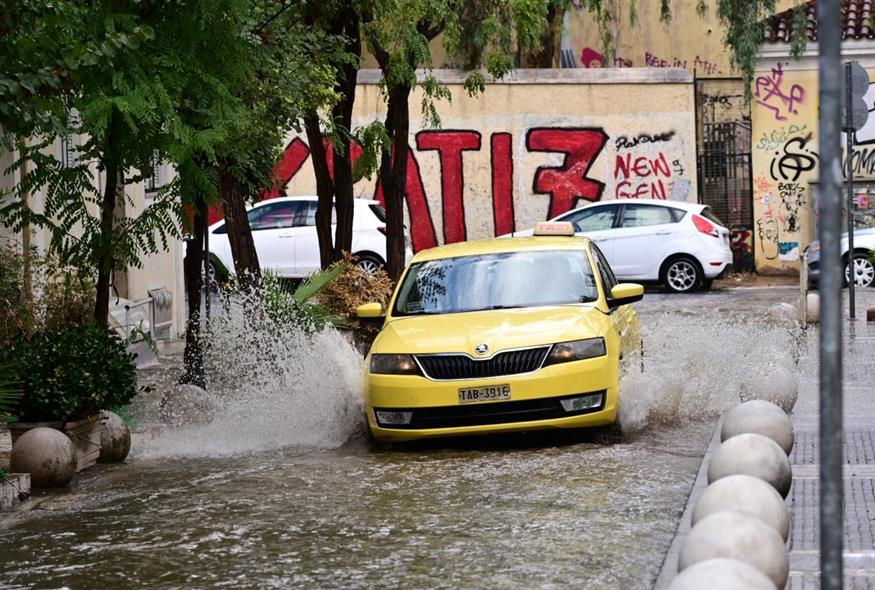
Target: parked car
x=681 y=245
x=284 y=231
x=501 y=335
x=864 y=270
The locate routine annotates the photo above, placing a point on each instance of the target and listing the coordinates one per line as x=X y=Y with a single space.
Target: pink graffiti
x=771 y=94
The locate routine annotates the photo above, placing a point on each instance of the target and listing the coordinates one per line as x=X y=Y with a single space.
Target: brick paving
x=859 y=458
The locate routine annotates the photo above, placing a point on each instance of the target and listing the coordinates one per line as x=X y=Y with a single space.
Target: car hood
x=500 y=329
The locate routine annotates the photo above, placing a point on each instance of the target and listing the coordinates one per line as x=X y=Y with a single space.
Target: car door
x=596 y=222
x=307 y=257
x=641 y=238
x=273 y=233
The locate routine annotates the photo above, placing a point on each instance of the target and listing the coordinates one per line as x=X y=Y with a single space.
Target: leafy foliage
x=300 y=307
x=10 y=388
x=71 y=372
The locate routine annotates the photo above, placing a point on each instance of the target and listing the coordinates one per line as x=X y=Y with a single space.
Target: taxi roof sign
x=554 y=228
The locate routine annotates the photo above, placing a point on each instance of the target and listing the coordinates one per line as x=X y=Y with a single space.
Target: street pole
x=831 y=484
x=849 y=135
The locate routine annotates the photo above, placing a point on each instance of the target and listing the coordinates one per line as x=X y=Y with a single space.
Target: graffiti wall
x=786 y=162
x=531 y=148
x=691 y=40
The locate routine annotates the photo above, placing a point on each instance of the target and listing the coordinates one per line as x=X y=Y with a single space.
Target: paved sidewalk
x=859 y=452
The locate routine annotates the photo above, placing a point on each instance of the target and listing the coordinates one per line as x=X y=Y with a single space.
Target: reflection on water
x=587 y=511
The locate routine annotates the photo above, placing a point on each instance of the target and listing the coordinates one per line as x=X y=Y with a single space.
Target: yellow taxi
x=501 y=335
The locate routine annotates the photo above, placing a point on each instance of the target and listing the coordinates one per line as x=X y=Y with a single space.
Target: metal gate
x=723 y=137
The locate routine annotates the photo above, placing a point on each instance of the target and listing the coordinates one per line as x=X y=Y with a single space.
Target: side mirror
x=370 y=311
x=624 y=293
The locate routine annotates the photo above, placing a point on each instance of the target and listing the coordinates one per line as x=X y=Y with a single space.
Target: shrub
x=355 y=287
x=16 y=317
x=69 y=372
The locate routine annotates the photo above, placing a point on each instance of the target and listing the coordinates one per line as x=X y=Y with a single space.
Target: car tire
x=864 y=270
x=370 y=263
x=707 y=284
x=681 y=274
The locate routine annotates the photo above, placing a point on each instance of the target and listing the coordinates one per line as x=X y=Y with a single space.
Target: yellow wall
x=625 y=133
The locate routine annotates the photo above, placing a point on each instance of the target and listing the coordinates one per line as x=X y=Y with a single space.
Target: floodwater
x=282 y=490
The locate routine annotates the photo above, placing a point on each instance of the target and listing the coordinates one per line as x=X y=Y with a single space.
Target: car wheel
x=681 y=275
x=368 y=263
x=707 y=284
x=864 y=270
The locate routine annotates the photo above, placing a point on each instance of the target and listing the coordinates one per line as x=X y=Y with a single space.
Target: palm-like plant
x=301 y=306
x=10 y=388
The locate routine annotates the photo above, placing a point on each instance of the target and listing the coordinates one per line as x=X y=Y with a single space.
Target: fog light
x=583 y=402
x=393 y=418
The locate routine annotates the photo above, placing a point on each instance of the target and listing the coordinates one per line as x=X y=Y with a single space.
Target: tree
x=485 y=32
x=127 y=73
x=342 y=21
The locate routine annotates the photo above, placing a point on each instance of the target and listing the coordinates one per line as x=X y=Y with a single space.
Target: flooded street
x=270 y=495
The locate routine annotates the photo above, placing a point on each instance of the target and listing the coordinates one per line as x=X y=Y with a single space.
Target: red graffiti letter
x=502 y=183
x=422 y=231
x=569 y=182
x=450 y=145
x=294 y=156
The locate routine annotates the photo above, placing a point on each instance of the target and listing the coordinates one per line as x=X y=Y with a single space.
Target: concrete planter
x=14 y=490
x=84 y=433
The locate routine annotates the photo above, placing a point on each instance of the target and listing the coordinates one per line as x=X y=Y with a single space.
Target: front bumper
x=534 y=403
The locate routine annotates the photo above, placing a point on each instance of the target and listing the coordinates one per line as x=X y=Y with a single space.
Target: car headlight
x=576 y=350
x=394 y=364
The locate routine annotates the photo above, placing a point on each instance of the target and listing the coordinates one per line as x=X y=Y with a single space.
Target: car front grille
x=460 y=366
x=489 y=413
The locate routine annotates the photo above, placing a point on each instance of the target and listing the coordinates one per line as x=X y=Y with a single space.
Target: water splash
x=694 y=367
x=270 y=386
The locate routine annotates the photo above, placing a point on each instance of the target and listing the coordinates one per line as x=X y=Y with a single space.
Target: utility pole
x=829 y=133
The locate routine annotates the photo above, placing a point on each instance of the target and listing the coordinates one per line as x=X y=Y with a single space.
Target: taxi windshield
x=503 y=280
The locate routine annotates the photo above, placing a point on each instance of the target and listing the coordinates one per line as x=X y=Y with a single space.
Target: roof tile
x=858 y=22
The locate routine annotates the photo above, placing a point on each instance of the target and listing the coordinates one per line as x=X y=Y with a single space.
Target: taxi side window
x=604 y=270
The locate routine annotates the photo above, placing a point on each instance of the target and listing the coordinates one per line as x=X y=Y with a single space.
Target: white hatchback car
x=681 y=245
x=284 y=230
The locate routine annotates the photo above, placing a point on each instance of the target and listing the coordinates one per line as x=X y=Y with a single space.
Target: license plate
x=491 y=393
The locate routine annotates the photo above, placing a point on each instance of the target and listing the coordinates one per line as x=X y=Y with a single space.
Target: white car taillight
x=705 y=226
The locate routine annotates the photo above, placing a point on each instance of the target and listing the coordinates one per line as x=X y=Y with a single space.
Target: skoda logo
x=481 y=348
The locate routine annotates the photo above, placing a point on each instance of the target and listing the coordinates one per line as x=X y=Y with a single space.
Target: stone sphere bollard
x=721 y=574
x=115 y=438
x=746 y=494
x=812 y=303
x=783 y=314
x=737 y=535
x=47 y=454
x=774 y=383
x=752 y=454
x=759 y=417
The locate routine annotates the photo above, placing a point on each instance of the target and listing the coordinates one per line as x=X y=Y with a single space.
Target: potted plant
x=67 y=375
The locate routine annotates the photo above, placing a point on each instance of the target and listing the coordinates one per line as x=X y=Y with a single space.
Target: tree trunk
x=343 y=178
x=324 y=188
x=105 y=255
x=546 y=55
x=193 y=357
x=243 y=251
x=393 y=175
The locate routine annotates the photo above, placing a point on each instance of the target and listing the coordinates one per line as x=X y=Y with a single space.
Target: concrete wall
x=533 y=146
x=784 y=121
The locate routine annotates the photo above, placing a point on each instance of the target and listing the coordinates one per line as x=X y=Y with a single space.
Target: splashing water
x=694 y=367
x=270 y=386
